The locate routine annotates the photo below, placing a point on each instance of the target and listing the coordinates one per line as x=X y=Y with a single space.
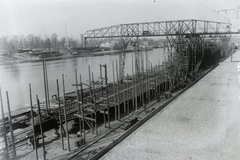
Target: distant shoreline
x=14 y=60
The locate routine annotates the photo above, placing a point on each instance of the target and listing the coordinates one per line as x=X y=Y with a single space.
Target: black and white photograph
x=119 y=79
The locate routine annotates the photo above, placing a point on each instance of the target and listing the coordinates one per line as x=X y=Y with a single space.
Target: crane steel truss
x=182 y=36
x=171 y=28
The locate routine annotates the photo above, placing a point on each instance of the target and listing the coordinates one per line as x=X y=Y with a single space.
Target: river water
x=15 y=78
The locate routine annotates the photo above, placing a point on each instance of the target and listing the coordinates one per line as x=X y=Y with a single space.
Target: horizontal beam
x=225 y=33
x=80 y=116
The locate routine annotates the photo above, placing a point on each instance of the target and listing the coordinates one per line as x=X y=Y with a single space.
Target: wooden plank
x=104 y=105
x=90 y=110
x=85 y=117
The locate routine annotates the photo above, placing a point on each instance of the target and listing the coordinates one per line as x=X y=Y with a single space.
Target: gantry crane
x=182 y=36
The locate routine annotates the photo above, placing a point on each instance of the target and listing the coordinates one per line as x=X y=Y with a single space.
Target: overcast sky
x=44 y=17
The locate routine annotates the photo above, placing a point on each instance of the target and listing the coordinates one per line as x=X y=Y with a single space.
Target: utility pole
x=237 y=10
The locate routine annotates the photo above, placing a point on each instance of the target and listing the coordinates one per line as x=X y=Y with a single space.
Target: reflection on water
x=15 y=78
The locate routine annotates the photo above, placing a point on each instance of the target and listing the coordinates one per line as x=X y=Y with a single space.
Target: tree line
x=10 y=45
x=15 y=43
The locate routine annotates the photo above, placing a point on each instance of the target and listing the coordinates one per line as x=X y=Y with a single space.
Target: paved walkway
x=202 y=124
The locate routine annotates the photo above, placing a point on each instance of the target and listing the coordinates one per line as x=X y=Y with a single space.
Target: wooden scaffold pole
x=165 y=77
x=136 y=93
x=91 y=93
x=101 y=81
x=124 y=96
x=95 y=107
x=119 y=114
x=156 y=81
x=41 y=129
x=159 y=77
x=33 y=128
x=106 y=81
x=45 y=86
x=4 y=127
x=60 y=116
x=151 y=78
x=104 y=115
x=146 y=59
x=48 y=99
x=132 y=82
x=83 y=117
x=149 y=93
x=78 y=103
x=127 y=95
x=11 y=127
x=65 y=112
x=114 y=88
x=142 y=78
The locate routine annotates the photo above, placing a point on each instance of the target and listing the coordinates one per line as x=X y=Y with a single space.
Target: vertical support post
x=142 y=79
x=127 y=95
x=60 y=116
x=94 y=101
x=170 y=69
x=124 y=96
x=106 y=81
x=65 y=112
x=83 y=119
x=151 y=75
x=104 y=115
x=78 y=100
x=149 y=93
x=136 y=93
x=132 y=81
x=119 y=114
x=114 y=88
x=101 y=79
x=192 y=46
x=45 y=86
x=91 y=91
x=155 y=81
x=162 y=78
x=40 y=119
x=146 y=74
x=95 y=106
x=11 y=127
x=4 y=126
x=159 y=77
x=48 y=99
x=139 y=75
x=195 y=60
x=33 y=128
x=165 y=79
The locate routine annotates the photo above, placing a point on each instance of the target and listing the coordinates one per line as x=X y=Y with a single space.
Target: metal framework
x=180 y=35
x=163 y=28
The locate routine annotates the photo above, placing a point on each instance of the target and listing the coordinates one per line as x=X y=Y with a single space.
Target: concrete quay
x=202 y=123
